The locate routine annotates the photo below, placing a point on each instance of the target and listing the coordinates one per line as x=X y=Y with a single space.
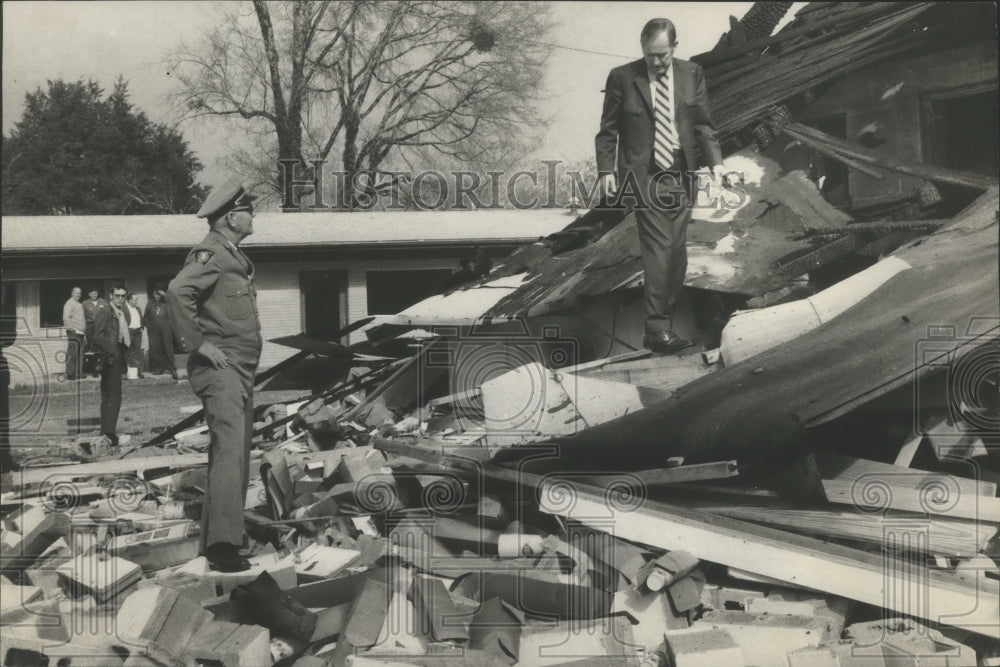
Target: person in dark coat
x=111 y=340
x=90 y=309
x=161 y=335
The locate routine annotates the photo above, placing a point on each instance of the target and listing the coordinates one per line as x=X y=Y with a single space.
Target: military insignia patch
x=203 y=256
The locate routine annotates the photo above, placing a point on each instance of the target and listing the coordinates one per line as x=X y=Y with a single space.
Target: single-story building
x=315 y=272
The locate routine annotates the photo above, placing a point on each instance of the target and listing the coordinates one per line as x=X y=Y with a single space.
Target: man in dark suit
x=111 y=340
x=656 y=128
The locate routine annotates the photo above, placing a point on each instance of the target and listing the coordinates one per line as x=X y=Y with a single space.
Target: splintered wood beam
x=900 y=585
x=858 y=153
x=823 y=255
x=832 y=154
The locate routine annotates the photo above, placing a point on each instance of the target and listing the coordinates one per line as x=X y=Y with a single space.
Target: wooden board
x=112 y=467
x=900 y=586
x=936 y=535
x=881 y=486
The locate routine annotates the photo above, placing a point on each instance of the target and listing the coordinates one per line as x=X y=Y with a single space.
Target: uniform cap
x=224 y=198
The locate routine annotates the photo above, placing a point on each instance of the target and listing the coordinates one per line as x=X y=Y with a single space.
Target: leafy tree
x=370 y=83
x=76 y=152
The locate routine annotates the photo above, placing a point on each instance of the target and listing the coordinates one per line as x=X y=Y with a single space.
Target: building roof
x=83 y=233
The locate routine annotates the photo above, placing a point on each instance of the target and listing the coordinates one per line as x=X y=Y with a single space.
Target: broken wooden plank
x=39 y=475
x=874 y=579
x=859 y=153
x=882 y=486
x=938 y=535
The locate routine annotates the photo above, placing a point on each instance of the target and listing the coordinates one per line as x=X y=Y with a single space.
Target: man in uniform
x=213 y=307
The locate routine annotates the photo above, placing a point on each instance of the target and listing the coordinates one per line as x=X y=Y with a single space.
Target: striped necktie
x=665 y=142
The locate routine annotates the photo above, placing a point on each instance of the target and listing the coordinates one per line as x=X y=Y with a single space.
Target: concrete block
x=685 y=594
x=699 y=647
x=231 y=644
x=800 y=604
x=158 y=549
x=903 y=641
x=722 y=598
x=652 y=613
x=766 y=639
x=104 y=578
x=161 y=620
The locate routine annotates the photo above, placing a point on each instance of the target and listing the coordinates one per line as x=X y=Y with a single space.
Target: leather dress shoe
x=225 y=557
x=665 y=341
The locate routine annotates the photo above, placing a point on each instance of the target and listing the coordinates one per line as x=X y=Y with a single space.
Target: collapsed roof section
x=945 y=300
x=757 y=84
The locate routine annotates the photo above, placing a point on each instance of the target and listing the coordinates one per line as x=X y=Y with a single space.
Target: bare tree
x=373 y=83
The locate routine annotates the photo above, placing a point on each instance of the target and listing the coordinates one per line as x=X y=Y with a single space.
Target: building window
x=324 y=303
x=52 y=295
x=389 y=292
x=965 y=132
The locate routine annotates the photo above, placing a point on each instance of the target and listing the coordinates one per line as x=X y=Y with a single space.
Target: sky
x=100 y=40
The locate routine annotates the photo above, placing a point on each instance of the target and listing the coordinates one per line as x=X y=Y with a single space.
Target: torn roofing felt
x=766 y=402
x=731 y=248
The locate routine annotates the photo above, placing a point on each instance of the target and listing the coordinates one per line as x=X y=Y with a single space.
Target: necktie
x=665 y=141
x=123 y=336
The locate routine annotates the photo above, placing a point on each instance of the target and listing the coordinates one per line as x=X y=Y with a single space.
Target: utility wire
x=571 y=48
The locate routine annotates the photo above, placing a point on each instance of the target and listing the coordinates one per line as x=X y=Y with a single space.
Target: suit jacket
x=106 y=335
x=626 y=135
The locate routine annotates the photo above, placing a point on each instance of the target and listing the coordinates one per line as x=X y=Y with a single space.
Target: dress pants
x=111 y=391
x=227 y=396
x=662 y=229
x=74 y=355
x=134 y=358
